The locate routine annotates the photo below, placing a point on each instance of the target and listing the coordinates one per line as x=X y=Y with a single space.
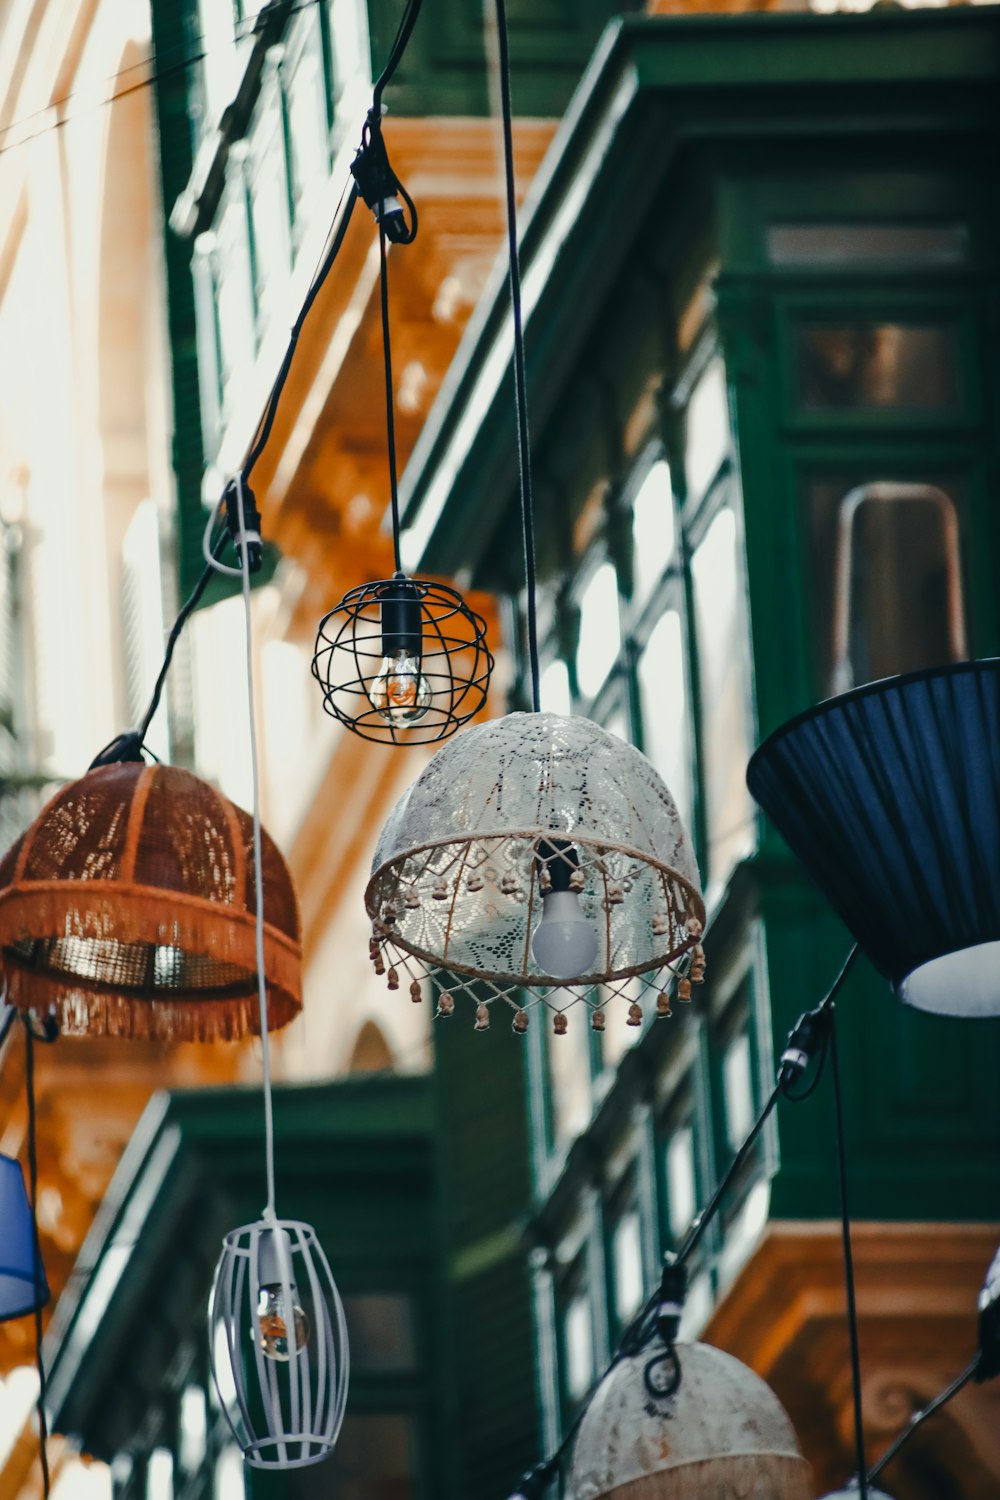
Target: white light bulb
x=273 y=1323
x=564 y=944
x=400 y=694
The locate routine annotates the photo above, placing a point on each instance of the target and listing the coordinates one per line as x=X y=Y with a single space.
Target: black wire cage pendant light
x=399 y=660
x=890 y=796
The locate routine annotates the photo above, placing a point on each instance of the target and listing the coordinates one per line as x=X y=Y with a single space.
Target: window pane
x=218 y=51
x=380 y=1326
x=665 y=714
x=235 y=296
x=375 y=1459
x=877 y=365
x=228 y=1477
x=553 y=688
x=307 y=114
x=618 y=1036
x=569 y=1073
x=707 y=428
x=653 y=530
x=626 y=1255
x=269 y=206
x=867 y=244
x=681 y=1201
x=160 y=1475
x=737 y=1087
x=579 y=1340
x=600 y=630
x=721 y=622
x=192 y=1425
x=885 y=569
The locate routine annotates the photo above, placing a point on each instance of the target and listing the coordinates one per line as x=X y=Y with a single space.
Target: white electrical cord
x=243 y=540
x=248 y=536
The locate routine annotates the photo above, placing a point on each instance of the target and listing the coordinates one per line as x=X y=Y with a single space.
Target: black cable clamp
x=251 y=522
x=533 y=1484
x=662 y=1375
x=380 y=187
x=988 y=1366
x=806 y=1041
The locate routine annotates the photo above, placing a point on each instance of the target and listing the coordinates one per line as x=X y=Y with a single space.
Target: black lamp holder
x=399 y=611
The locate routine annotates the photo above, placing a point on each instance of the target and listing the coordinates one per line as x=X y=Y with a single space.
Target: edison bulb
x=400 y=694
x=564 y=944
x=273 y=1323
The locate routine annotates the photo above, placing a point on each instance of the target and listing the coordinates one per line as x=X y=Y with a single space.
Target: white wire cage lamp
x=279 y=1345
x=538 y=859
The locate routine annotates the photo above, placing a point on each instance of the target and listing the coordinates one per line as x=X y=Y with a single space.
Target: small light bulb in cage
x=400 y=694
x=272 y=1319
x=564 y=944
x=278 y=1341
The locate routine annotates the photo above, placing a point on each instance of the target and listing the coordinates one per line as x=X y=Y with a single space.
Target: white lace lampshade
x=537 y=859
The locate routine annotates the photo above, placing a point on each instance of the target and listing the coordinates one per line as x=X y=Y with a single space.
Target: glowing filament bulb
x=400 y=694
x=276 y=1293
x=273 y=1322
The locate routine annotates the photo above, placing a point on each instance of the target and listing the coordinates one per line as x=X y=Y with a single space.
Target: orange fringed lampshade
x=127 y=908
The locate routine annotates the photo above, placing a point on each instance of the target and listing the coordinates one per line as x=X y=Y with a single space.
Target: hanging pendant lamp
x=127 y=909
x=279 y=1344
x=537 y=858
x=720 y=1431
x=890 y=797
x=277 y=1336
x=23 y=1287
x=400 y=660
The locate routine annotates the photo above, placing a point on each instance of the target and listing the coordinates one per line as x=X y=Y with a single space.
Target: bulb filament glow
x=400 y=693
x=272 y=1322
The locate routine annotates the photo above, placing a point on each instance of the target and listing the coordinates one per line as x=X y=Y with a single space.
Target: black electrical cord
x=810 y=1041
x=29 y=1070
x=129 y=745
x=399 y=46
x=845 y=1229
x=390 y=416
x=520 y=384
x=919 y=1417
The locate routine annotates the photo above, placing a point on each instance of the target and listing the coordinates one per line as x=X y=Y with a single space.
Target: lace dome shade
x=721 y=1435
x=469 y=852
x=128 y=909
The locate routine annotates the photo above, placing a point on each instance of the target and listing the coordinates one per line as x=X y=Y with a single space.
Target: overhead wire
x=810 y=1041
x=520 y=382
x=151 y=61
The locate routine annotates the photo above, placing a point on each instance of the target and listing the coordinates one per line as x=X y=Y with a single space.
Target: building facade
x=760 y=265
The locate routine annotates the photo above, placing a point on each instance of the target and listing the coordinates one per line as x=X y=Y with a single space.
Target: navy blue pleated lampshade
x=890 y=796
x=23 y=1287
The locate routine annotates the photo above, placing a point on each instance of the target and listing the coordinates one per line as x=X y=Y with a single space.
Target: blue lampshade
x=890 y=797
x=23 y=1287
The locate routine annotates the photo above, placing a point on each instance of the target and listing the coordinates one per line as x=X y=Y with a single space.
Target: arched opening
x=371 y=1052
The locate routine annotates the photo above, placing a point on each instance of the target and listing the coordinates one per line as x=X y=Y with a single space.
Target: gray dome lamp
x=720 y=1431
